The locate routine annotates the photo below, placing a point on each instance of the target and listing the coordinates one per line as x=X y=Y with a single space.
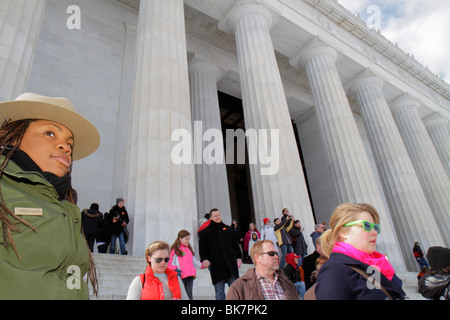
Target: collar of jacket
x=15 y=172
x=251 y=273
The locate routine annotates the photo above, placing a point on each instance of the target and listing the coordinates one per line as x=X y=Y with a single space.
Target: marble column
x=437 y=127
x=281 y=183
x=211 y=171
x=20 y=26
x=429 y=168
x=410 y=211
x=161 y=192
x=352 y=174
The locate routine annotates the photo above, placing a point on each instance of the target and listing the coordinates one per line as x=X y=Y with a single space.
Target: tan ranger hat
x=59 y=110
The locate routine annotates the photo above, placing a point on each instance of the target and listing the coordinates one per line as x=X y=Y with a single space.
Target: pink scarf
x=376 y=259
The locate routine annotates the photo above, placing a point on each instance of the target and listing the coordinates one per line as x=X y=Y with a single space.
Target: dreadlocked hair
x=11 y=135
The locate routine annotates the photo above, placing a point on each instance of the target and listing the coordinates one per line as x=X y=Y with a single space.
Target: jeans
x=422 y=262
x=219 y=287
x=285 y=249
x=121 y=243
x=301 y=288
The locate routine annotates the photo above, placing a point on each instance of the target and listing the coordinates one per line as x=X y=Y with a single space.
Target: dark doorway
x=239 y=183
x=302 y=160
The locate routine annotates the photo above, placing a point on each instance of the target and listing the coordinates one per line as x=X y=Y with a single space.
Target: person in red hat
x=267 y=232
x=293 y=273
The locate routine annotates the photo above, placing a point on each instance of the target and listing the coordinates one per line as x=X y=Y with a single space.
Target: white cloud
x=420 y=27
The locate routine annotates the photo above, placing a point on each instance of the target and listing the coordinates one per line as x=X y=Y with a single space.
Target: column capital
x=242 y=8
x=198 y=63
x=402 y=102
x=315 y=47
x=365 y=78
x=435 y=119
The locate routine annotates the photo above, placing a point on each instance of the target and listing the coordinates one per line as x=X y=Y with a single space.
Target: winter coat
x=104 y=229
x=300 y=246
x=435 y=286
x=117 y=228
x=252 y=241
x=248 y=238
x=218 y=245
x=186 y=263
x=282 y=231
x=247 y=287
x=91 y=220
x=293 y=273
x=417 y=251
x=336 y=281
x=54 y=255
x=309 y=265
x=268 y=233
x=314 y=235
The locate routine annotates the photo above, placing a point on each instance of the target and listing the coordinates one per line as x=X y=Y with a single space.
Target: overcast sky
x=420 y=27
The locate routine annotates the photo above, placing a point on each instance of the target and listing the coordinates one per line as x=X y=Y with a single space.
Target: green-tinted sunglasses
x=367 y=226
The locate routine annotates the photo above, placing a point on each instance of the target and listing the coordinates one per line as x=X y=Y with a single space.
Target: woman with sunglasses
x=353 y=262
x=158 y=282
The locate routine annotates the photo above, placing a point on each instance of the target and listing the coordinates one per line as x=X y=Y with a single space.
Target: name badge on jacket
x=28 y=211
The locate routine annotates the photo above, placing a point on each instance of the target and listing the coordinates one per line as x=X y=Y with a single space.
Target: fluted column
x=411 y=213
x=211 y=174
x=266 y=111
x=437 y=127
x=20 y=25
x=161 y=193
x=429 y=168
x=352 y=174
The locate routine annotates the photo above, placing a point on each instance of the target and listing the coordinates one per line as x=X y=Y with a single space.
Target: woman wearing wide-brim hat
x=43 y=253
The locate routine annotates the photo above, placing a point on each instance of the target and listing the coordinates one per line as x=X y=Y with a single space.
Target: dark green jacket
x=56 y=256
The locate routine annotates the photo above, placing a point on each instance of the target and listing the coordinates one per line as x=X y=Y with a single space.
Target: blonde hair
x=343 y=214
x=155 y=246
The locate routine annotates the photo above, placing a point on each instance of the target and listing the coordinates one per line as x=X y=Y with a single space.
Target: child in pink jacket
x=183 y=260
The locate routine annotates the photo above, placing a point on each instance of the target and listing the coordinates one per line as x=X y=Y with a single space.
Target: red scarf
x=376 y=259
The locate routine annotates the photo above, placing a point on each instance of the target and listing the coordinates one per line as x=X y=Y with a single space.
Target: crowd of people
x=105 y=230
x=44 y=234
x=337 y=269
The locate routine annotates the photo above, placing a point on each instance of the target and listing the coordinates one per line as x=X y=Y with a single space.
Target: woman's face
x=159 y=267
x=365 y=241
x=49 y=145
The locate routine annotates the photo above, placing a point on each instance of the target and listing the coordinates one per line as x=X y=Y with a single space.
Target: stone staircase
x=116 y=272
x=410 y=285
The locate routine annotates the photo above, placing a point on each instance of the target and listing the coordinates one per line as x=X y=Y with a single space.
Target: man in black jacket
x=219 y=250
